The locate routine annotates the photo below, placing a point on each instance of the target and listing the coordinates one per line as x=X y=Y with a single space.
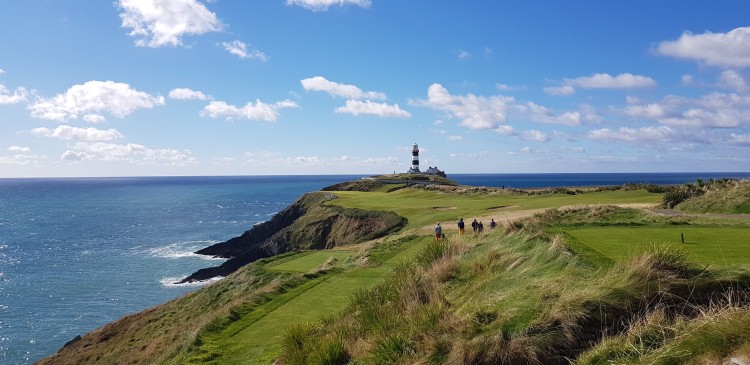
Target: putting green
x=713 y=246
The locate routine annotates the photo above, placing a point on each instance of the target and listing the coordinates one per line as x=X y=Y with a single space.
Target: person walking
x=493 y=224
x=475 y=225
x=460 y=226
x=438 y=232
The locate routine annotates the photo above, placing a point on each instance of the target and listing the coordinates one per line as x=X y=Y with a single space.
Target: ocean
x=78 y=253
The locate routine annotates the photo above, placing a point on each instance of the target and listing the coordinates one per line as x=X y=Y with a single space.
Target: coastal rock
x=306 y=224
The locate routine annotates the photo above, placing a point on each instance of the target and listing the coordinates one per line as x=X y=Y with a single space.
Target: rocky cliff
x=308 y=223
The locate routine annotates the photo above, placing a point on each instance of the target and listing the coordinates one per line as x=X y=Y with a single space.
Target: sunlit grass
x=710 y=246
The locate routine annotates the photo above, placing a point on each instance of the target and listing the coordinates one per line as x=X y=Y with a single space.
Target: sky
x=300 y=87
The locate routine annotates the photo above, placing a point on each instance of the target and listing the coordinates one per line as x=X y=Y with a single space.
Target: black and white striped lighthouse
x=414 y=159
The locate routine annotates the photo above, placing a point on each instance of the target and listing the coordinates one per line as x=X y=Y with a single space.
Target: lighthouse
x=415 y=165
x=414 y=160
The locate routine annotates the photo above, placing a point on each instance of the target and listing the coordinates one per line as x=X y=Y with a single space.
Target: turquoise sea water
x=76 y=254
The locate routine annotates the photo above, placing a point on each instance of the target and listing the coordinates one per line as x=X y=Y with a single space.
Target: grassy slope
x=255 y=338
x=734 y=199
x=230 y=322
x=490 y=299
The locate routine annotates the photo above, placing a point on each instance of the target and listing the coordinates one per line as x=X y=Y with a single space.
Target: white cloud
x=160 y=23
x=455 y=138
x=2 y=71
x=535 y=135
x=462 y=55
x=544 y=115
x=323 y=5
x=731 y=49
x=640 y=135
x=252 y=111
x=379 y=161
x=69 y=155
x=686 y=80
x=714 y=110
x=133 y=153
x=526 y=150
x=187 y=94
x=21 y=159
x=18 y=149
x=320 y=83
x=383 y=110
x=240 y=49
x=607 y=81
x=503 y=87
x=90 y=99
x=79 y=134
x=560 y=90
x=475 y=112
x=506 y=130
x=733 y=80
x=12 y=97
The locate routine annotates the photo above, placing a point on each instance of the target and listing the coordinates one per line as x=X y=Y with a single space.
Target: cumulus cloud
x=92 y=98
x=607 y=81
x=731 y=49
x=535 y=135
x=158 y=23
x=252 y=111
x=67 y=132
x=503 y=87
x=714 y=110
x=323 y=5
x=187 y=94
x=383 y=110
x=560 y=90
x=8 y=96
x=544 y=115
x=320 y=83
x=733 y=80
x=242 y=50
x=475 y=112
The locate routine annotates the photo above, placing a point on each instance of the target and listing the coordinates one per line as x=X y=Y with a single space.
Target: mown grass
x=710 y=246
x=422 y=207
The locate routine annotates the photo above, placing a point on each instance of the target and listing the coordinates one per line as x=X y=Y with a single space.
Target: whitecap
x=179 y=250
x=174 y=282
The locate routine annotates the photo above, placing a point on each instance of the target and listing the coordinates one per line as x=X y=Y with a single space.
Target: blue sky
x=190 y=87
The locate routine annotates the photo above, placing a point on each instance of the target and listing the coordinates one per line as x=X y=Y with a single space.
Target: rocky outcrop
x=306 y=224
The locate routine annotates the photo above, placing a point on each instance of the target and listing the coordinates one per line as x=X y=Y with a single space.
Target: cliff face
x=306 y=224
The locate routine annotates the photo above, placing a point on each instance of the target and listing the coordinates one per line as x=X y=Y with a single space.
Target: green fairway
x=255 y=338
x=309 y=261
x=422 y=207
x=712 y=245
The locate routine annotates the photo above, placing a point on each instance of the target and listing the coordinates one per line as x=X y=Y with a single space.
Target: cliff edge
x=308 y=223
